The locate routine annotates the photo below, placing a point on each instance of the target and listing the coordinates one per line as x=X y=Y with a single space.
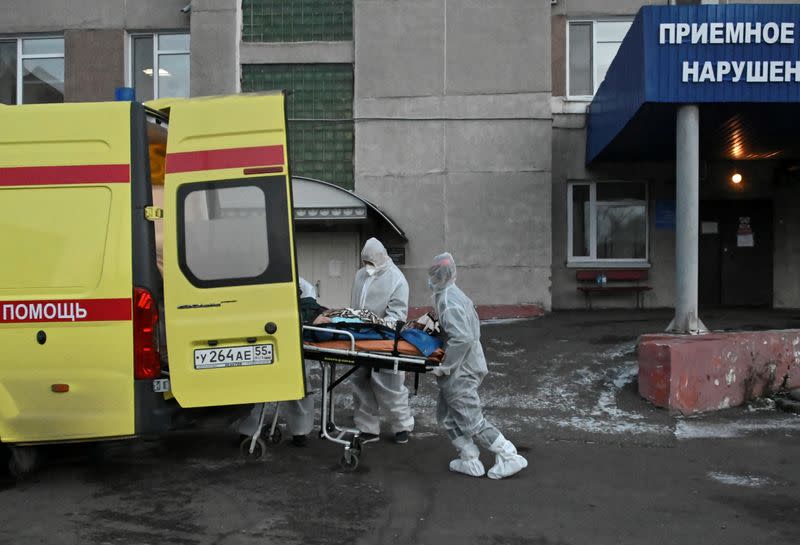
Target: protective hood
x=442 y=273
x=375 y=253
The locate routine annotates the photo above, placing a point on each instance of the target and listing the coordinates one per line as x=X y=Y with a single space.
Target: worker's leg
x=249 y=424
x=392 y=396
x=506 y=461
x=365 y=406
x=300 y=413
x=300 y=416
x=461 y=396
x=468 y=461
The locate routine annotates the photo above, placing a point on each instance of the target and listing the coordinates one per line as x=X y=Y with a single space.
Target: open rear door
x=231 y=299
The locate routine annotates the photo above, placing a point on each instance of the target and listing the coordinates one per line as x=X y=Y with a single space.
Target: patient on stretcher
x=426 y=322
x=372 y=333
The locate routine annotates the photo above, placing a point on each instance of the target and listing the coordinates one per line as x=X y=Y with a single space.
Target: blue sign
x=733 y=53
x=665 y=215
x=729 y=53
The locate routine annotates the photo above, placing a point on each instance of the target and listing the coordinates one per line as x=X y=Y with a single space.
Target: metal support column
x=687 y=162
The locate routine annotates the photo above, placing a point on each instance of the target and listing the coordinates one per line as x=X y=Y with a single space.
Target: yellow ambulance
x=100 y=335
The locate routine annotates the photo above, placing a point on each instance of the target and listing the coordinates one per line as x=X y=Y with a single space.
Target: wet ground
x=605 y=466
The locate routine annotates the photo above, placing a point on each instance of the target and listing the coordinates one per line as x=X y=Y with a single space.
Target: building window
x=159 y=65
x=320 y=115
x=607 y=221
x=32 y=70
x=297 y=20
x=591 y=46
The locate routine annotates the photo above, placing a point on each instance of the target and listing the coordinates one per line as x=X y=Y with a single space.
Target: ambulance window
x=226 y=233
x=233 y=233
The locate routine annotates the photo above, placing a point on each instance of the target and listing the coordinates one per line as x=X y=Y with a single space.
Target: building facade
x=463 y=120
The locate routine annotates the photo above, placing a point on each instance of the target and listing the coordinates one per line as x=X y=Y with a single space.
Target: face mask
x=371 y=270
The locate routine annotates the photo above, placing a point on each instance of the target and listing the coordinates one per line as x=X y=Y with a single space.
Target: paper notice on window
x=745 y=241
x=709 y=228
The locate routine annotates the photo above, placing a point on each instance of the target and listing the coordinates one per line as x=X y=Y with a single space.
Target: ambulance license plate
x=233 y=356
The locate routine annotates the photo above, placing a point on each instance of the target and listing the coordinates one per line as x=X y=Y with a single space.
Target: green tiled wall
x=320 y=112
x=297 y=20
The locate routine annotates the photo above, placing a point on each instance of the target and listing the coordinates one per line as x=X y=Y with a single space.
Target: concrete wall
x=569 y=143
x=453 y=133
x=25 y=16
x=94 y=64
x=215 y=29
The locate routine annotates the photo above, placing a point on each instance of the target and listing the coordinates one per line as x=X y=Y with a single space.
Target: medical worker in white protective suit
x=299 y=414
x=459 y=377
x=379 y=286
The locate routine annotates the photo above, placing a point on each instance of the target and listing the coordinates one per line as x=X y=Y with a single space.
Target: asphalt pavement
x=606 y=467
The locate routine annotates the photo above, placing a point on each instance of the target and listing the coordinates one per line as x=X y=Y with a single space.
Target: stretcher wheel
x=349 y=461
x=258 y=449
x=273 y=439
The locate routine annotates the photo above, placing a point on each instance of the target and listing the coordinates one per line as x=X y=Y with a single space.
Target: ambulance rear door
x=231 y=299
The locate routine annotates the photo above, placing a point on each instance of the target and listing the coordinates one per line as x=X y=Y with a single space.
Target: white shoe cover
x=506 y=461
x=467 y=462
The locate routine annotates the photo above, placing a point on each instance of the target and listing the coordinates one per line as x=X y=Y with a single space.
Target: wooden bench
x=631 y=277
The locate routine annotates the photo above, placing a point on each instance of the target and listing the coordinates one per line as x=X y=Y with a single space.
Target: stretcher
x=345 y=350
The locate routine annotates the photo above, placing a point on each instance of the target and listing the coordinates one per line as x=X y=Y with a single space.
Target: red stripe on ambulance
x=68 y=310
x=65 y=175
x=191 y=161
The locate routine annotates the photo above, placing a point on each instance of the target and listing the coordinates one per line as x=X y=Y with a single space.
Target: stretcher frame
x=329 y=358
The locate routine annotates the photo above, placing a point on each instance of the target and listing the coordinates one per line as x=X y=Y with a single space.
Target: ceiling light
x=161 y=72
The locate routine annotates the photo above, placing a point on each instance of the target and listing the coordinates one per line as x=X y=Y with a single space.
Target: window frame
x=279 y=262
x=593 y=22
x=592 y=257
x=130 y=80
x=21 y=59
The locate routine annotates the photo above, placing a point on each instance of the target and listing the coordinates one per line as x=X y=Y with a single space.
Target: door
x=66 y=285
x=231 y=307
x=736 y=253
x=329 y=261
x=746 y=238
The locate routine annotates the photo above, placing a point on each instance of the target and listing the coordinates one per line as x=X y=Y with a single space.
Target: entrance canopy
x=742 y=58
x=319 y=202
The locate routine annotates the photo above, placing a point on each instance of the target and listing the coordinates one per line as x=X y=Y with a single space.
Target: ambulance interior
x=157 y=146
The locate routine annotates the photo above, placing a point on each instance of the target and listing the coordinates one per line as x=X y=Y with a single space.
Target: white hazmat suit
x=459 y=377
x=379 y=286
x=300 y=413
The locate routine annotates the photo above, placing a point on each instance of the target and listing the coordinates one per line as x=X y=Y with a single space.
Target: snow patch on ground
x=696 y=429
x=499 y=321
x=750 y=481
x=585 y=400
